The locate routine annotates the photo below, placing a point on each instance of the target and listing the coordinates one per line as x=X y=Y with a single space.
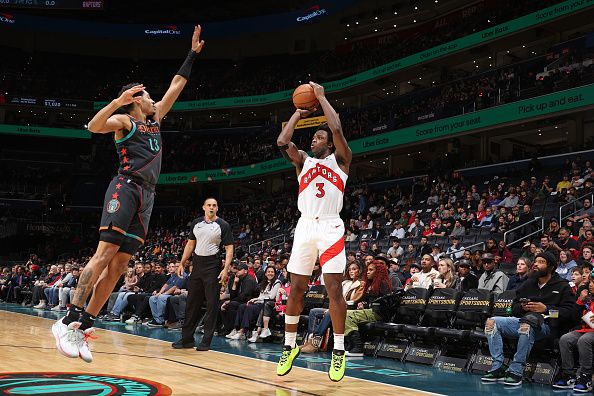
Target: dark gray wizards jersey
x=140 y=151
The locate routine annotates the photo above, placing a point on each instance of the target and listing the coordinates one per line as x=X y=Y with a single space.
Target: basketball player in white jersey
x=320 y=230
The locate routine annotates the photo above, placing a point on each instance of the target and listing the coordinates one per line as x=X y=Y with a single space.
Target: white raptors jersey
x=321 y=187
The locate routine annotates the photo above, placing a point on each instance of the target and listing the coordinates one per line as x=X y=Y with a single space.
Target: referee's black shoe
x=180 y=344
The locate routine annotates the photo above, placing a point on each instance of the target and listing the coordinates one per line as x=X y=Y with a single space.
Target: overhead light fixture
x=375 y=18
x=394 y=25
x=416 y=8
x=356 y=23
x=395 y=12
x=414 y=21
x=375 y=30
x=348 y=25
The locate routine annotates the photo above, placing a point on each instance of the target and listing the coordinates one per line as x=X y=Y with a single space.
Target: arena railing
x=452 y=253
x=522 y=238
x=276 y=241
x=574 y=205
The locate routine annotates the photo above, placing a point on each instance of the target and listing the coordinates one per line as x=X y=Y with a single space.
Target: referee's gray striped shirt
x=210 y=236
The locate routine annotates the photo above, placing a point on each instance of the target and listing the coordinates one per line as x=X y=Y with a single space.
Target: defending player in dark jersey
x=128 y=200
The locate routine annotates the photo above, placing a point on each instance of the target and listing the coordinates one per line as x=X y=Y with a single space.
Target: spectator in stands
x=53 y=293
x=439 y=230
x=436 y=252
x=577 y=279
x=122 y=296
x=467 y=280
x=409 y=255
x=564 y=184
x=416 y=229
x=491 y=247
x=477 y=263
x=456 y=250
x=425 y=277
x=504 y=255
x=130 y=280
x=586 y=257
x=377 y=283
x=486 y=220
x=398 y=231
x=511 y=200
x=586 y=273
x=423 y=248
x=580 y=340
x=279 y=306
x=350 y=236
x=243 y=288
x=352 y=291
x=378 y=232
x=38 y=299
x=586 y=212
x=249 y=312
x=158 y=301
x=492 y=279
x=586 y=239
x=447 y=277
x=528 y=323
x=459 y=230
x=566 y=265
x=526 y=215
x=395 y=251
x=148 y=284
x=564 y=241
x=4 y=283
x=522 y=268
x=396 y=276
x=553 y=228
x=177 y=309
x=67 y=287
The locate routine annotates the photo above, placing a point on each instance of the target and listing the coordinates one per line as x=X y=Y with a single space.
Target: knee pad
x=290 y=319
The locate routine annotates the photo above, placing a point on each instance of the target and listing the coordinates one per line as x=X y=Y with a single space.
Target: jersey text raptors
x=321 y=187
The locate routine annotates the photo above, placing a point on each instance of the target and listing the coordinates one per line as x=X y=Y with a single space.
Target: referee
x=208 y=234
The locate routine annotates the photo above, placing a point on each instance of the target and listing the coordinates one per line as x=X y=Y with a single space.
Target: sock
x=73 y=314
x=87 y=321
x=339 y=341
x=291 y=339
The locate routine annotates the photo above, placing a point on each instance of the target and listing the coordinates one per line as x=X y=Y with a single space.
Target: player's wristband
x=186 y=67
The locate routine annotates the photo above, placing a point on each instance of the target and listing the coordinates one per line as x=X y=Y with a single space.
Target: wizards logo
x=78 y=384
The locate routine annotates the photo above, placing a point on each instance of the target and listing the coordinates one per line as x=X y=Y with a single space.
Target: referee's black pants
x=202 y=285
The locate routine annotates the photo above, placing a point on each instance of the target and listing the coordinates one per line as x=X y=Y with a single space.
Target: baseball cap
x=463 y=263
x=488 y=256
x=242 y=266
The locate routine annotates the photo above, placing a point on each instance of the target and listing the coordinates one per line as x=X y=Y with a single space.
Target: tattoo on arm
x=84 y=288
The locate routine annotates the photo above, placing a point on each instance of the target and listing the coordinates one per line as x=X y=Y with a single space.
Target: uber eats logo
x=78 y=384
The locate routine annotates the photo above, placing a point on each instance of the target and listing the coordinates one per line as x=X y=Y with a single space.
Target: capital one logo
x=170 y=30
x=6 y=18
x=315 y=11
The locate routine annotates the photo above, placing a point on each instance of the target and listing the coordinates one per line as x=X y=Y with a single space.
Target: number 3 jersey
x=139 y=151
x=321 y=187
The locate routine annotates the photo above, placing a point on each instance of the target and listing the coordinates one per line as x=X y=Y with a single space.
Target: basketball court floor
x=138 y=360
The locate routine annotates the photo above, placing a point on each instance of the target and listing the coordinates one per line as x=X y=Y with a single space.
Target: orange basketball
x=304 y=98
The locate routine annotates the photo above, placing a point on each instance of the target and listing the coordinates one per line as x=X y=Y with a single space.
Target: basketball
x=304 y=97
